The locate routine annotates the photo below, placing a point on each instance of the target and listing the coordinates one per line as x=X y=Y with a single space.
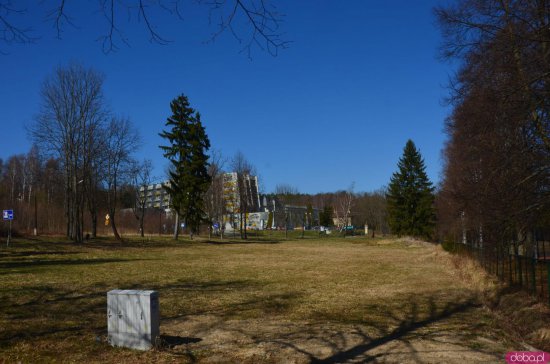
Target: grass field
x=305 y=300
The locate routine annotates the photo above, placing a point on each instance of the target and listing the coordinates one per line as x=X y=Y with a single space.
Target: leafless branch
x=263 y=19
x=9 y=31
x=108 y=44
x=59 y=16
x=154 y=36
x=253 y=23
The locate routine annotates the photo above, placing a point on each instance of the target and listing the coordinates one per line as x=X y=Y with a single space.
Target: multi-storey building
x=241 y=186
x=257 y=209
x=289 y=216
x=156 y=196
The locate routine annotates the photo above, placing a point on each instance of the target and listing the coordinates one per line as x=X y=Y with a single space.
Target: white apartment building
x=156 y=196
x=232 y=195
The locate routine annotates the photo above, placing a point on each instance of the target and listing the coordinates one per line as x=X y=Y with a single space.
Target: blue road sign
x=7 y=214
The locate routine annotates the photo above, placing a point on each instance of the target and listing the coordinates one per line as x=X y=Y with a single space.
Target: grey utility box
x=133 y=318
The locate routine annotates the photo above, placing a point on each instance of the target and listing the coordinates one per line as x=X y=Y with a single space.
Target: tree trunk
x=77 y=227
x=113 y=226
x=68 y=204
x=142 y=217
x=286 y=225
x=94 y=224
x=92 y=207
x=176 y=226
x=244 y=228
x=74 y=210
x=241 y=224
x=111 y=203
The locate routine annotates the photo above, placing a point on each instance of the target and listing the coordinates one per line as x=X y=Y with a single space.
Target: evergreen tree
x=410 y=196
x=325 y=216
x=186 y=151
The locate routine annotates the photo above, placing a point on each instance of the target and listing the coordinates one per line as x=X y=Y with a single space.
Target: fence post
x=533 y=275
x=500 y=264
x=510 y=269
x=520 y=270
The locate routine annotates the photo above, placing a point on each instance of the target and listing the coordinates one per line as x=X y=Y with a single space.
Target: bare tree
x=287 y=190
x=496 y=174
x=14 y=173
x=244 y=170
x=52 y=185
x=344 y=201
x=94 y=170
x=142 y=178
x=72 y=109
x=503 y=42
x=214 y=200
x=123 y=140
x=31 y=171
x=370 y=210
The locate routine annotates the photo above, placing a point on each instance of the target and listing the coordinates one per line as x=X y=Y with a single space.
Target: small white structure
x=133 y=318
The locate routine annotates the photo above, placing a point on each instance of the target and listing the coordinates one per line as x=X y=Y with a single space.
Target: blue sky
x=359 y=79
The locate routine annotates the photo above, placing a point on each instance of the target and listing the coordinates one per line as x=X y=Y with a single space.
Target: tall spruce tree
x=410 y=196
x=186 y=151
x=325 y=216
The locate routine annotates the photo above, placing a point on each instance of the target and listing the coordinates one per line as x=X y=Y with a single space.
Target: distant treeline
x=33 y=185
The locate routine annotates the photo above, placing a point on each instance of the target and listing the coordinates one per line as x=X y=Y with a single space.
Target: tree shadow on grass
x=45 y=310
x=244 y=242
x=53 y=262
x=203 y=286
x=110 y=245
x=175 y=344
x=33 y=245
x=246 y=303
x=420 y=330
x=30 y=253
x=406 y=327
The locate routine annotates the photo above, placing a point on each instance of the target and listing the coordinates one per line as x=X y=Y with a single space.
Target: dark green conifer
x=410 y=196
x=186 y=151
x=325 y=216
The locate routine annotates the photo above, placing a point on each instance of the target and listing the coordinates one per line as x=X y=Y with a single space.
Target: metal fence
x=529 y=272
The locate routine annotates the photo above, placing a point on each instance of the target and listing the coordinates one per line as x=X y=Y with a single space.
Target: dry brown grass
x=270 y=301
x=468 y=271
x=523 y=318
